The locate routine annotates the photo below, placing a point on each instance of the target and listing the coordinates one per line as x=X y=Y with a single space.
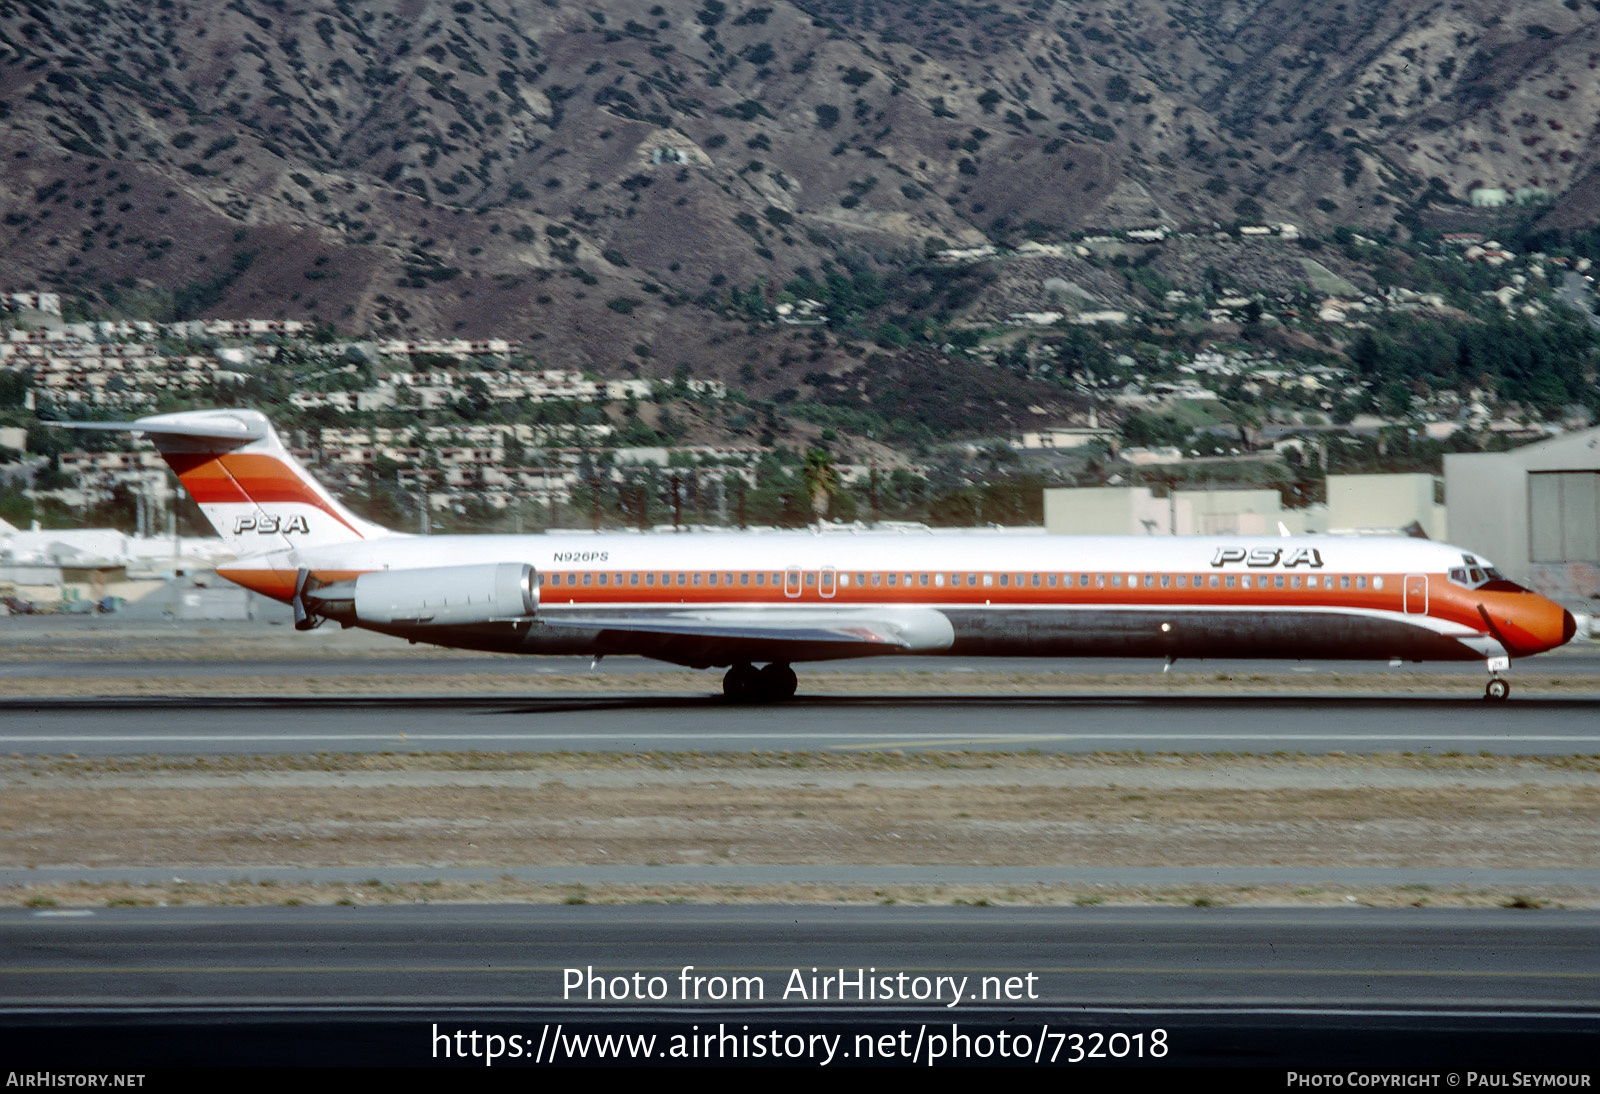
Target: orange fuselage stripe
x=1444 y=601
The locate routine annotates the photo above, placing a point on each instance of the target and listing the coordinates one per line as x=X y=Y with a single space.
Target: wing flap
x=726 y=637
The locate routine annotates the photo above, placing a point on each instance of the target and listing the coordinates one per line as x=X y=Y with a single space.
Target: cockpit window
x=1483 y=577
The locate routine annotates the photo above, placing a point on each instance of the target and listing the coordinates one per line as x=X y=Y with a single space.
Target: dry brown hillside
x=580 y=174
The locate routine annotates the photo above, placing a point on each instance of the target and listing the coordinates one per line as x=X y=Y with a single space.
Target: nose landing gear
x=1498 y=686
x=744 y=683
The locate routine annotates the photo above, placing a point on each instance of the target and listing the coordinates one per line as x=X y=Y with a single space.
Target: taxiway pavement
x=619 y=722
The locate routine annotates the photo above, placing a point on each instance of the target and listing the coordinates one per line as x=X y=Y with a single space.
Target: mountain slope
x=580 y=175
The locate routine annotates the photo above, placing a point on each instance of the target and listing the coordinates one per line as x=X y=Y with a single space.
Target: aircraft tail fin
x=256 y=495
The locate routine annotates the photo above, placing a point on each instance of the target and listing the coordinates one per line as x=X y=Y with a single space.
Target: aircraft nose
x=1528 y=624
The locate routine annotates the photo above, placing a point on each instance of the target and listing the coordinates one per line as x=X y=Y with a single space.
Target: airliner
x=739 y=601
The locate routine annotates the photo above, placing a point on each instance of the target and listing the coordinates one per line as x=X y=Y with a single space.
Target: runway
x=138 y=988
x=645 y=723
x=1420 y=988
x=1580 y=663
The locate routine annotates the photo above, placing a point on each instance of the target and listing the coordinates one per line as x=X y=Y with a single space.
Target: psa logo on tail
x=255 y=494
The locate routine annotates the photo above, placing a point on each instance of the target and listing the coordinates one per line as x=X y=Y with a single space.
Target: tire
x=1496 y=690
x=778 y=682
x=741 y=684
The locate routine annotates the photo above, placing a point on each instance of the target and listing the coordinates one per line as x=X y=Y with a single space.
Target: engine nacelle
x=444 y=595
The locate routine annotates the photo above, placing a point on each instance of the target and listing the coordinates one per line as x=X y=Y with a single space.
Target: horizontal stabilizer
x=217 y=427
x=254 y=493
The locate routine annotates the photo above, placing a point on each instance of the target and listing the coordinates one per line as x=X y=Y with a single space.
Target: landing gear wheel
x=741 y=684
x=1497 y=689
x=778 y=682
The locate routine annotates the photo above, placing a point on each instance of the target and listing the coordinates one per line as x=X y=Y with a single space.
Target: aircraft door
x=826 y=579
x=791 y=582
x=1416 y=594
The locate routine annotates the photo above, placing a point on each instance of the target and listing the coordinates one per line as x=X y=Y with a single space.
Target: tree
x=821 y=480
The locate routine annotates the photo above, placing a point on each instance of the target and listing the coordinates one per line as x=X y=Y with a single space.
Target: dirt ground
x=508 y=810
x=503 y=810
x=151 y=682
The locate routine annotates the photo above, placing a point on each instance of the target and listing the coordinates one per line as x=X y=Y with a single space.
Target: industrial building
x=1534 y=511
x=1357 y=504
x=1402 y=503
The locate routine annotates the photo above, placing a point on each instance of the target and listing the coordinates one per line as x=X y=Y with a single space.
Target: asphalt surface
x=1581 y=664
x=140 y=989
x=623 y=723
x=131 y=988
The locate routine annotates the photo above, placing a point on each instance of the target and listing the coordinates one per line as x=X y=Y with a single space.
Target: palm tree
x=821 y=480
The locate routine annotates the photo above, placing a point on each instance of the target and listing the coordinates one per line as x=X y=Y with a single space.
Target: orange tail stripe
x=245 y=478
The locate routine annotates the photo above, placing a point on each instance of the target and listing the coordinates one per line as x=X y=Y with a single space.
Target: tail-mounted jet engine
x=494 y=592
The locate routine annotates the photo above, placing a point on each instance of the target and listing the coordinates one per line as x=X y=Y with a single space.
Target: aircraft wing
x=723 y=637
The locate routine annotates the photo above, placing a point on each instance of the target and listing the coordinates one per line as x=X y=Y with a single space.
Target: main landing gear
x=744 y=683
x=1498 y=686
